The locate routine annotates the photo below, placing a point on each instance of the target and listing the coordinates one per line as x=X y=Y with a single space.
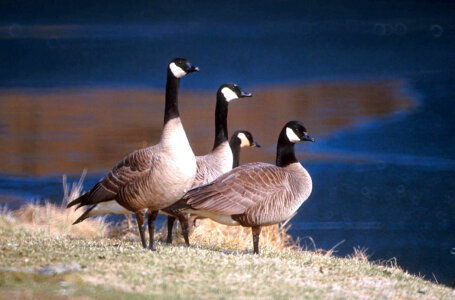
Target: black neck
x=235 y=147
x=221 y=112
x=285 y=154
x=171 y=109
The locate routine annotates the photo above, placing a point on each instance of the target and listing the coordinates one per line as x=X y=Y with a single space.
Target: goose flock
x=169 y=179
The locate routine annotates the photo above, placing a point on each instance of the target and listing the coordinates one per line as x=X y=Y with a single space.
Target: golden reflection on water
x=44 y=131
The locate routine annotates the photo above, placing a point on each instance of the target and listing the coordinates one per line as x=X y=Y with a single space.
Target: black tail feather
x=81 y=201
x=84 y=215
x=182 y=204
x=179 y=206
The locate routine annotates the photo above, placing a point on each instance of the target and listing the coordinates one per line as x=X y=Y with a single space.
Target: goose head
x=179 y=67
x=296 y=132
x=231 y=91
x=246 y=139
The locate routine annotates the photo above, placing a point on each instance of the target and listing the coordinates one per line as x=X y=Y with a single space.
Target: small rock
x=64 y=283
x=60 y=269
x=27 y=270
x=10 y=269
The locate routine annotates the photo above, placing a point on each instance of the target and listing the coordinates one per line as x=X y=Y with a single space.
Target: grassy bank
x=108 y=267
x=42 y=255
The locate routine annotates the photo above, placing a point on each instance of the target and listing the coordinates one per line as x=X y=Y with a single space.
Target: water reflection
x=48 y=131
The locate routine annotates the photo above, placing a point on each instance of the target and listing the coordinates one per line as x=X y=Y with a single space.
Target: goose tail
x=84 y=216
x=82 y=200
x=179 y=205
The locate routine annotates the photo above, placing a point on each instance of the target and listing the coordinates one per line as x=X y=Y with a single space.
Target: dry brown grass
x=211 y=234
x=359 y=254
x=178 y=272
x=215 y=266
x=57 y=219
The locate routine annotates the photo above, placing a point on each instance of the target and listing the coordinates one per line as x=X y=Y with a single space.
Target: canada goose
x=240 y=139
x=256 y=194
x=218 y=161
x=151 y=178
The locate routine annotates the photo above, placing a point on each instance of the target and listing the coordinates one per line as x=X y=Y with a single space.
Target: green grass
x=114 y=268
x=19 y=285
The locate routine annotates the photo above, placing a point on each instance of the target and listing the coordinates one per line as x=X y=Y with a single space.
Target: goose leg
x=151 y=221
x=184 y=222
x=170 y=226
x=140 y=218
x=256 y=233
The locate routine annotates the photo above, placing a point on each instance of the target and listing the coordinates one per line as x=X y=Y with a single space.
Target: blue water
x=397 y=202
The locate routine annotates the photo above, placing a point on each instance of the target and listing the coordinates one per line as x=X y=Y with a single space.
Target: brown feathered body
x=150 y=178
x=254 y=194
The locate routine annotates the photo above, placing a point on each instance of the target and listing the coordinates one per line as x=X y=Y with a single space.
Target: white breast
x=305 y=184
x=222 y=158
x=177 y=169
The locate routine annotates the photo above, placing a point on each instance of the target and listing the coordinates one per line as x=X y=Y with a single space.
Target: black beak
x=255 y=144
x=308 y=138
x=245 y=94
x=193 y=69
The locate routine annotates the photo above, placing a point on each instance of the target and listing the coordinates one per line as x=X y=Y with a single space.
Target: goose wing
x=132 y=167
x=206 y=172
x=202 y=171
x=236 y=191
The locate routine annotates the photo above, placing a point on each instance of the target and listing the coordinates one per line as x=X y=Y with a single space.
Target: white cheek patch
x=292 y=137
x=176 y=70
x=244 y=142
x=229 y=94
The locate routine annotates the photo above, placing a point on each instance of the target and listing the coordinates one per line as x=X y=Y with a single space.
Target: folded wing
x=134 y=166
x=242 y=188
